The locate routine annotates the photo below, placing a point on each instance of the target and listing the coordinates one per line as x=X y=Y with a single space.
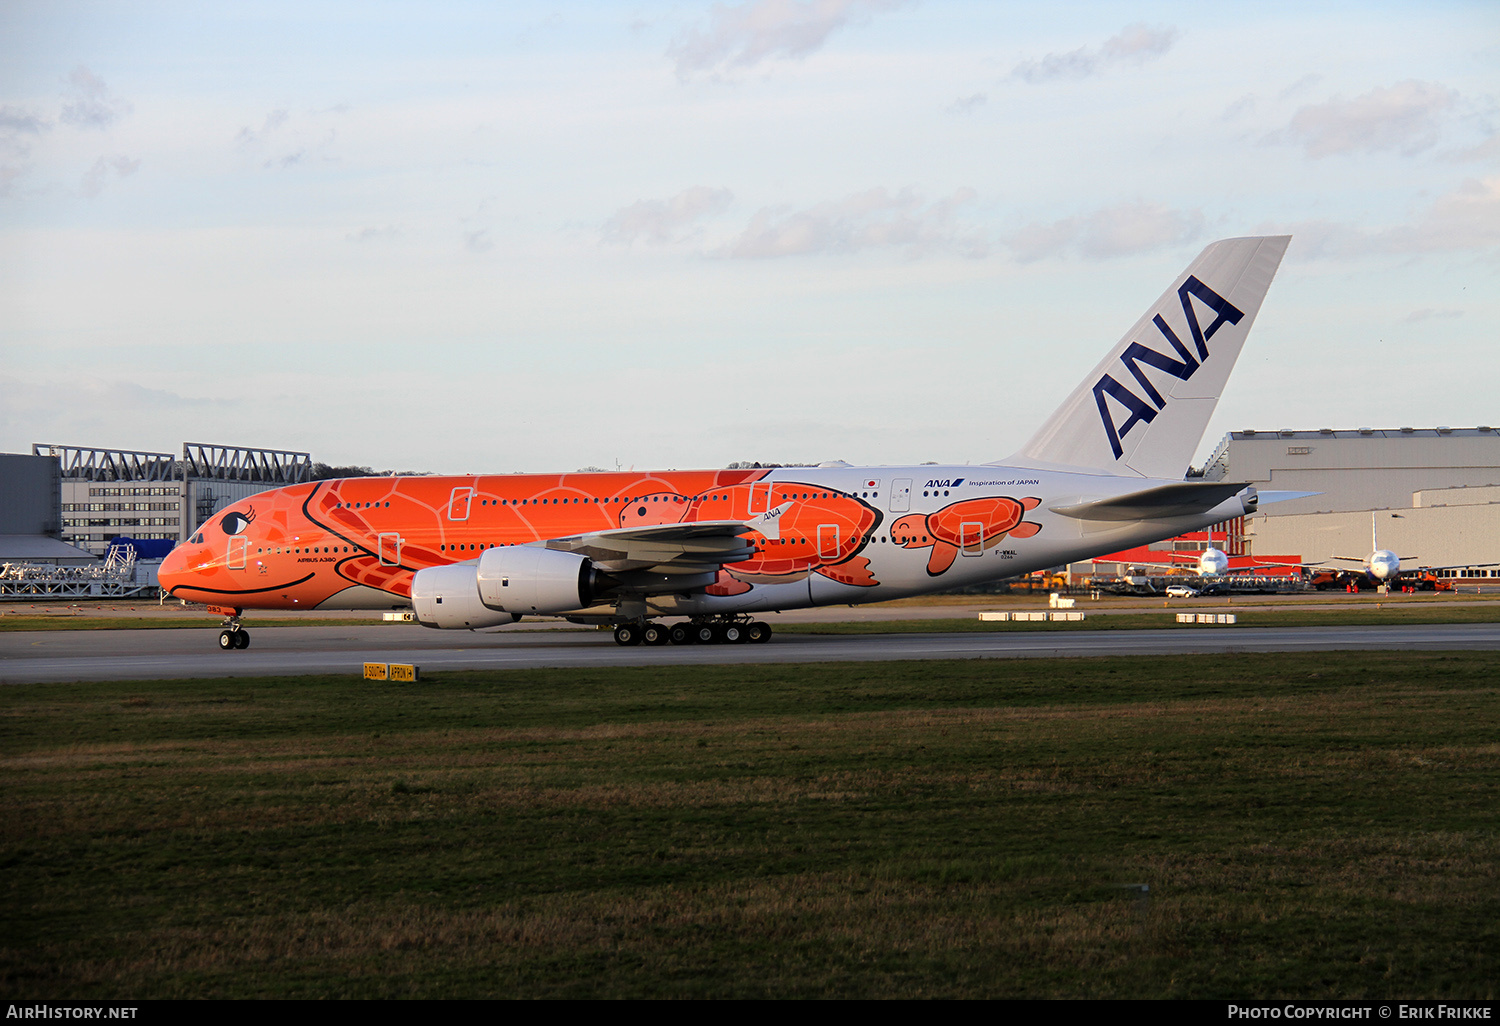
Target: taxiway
x=59 y=656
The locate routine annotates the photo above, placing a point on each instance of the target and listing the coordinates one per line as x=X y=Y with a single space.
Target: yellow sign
x=376 y=671
x=403 y=671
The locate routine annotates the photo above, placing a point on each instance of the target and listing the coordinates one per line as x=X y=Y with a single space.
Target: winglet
x=1143 y=410
x=769 y=522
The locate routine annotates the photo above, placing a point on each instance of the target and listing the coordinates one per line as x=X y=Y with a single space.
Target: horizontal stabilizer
x=1266 y=498
x=1174 y=500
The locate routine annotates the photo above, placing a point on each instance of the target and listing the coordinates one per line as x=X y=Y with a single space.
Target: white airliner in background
x=1382 y=566
x=712 y=548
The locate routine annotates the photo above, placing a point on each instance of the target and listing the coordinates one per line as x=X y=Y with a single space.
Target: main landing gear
x=727 y=631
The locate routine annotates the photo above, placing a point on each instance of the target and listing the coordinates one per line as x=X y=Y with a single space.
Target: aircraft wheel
x=704 y=634
x=627 y=634
x=733 y=633
x=227 y=640
x=242 y=638
x=654 y=634
x=680 y=633
x=758 y=632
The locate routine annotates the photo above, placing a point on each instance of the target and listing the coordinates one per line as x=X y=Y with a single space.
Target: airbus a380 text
x=713 y=548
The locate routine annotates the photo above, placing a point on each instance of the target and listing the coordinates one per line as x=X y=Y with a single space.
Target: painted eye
x=234 y=523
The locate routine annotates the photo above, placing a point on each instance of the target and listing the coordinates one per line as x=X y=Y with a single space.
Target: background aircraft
x=1383 y=567
x=1104 y=473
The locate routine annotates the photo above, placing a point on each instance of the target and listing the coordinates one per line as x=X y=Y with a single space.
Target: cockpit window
x=197 y=539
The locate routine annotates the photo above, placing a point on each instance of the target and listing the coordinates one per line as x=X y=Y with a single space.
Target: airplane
x=1382 y=567
x=713 y=548
x=1212 y=565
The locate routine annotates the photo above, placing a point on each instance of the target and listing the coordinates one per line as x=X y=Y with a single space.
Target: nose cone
x=1212 y=563
x=173 y=570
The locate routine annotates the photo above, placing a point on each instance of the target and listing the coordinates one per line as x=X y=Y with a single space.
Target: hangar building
x=1364 y=469
x=104 y=494
x=1437 y=491
x=29 y=489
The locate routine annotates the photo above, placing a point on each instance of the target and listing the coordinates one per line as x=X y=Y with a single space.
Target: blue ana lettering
x=1183 y=367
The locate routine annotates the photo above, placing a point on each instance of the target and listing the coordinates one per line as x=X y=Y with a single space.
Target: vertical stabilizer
x=1143 y=410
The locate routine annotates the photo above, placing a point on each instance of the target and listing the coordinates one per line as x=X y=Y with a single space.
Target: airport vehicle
x=1104 y=473
x=1181 y=591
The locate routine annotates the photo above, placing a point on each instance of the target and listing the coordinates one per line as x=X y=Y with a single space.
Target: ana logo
x=944 y=484
x=1184 y=367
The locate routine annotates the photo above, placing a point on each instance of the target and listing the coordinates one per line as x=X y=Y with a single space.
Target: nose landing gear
x=233 y=635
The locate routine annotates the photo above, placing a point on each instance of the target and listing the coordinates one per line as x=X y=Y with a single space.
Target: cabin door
x=459 y=503
x=901 y=495
x=971 y=538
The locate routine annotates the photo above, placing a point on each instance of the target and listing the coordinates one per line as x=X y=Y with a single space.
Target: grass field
x=1246 y=826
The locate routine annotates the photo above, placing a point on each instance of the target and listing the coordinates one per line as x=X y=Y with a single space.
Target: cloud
x=869 y=220
x=1487 y=151
x=743 y=35
x=1111 y=232
x=289 y=148
x=659 y=221
x=967 y=104
x=364 y=235
x=478 y=241
x=8 y=175
x=96 y=176
x=93 y=105
x=273 y=121
x=15 y=124
x=1135 y=44
x=1429 y=314
x=14 y=121
x=1238 y=109
x=1467 y=218
x=1406 y=117
x=99 y=408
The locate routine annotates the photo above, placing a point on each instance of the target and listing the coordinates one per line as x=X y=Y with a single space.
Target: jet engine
x=448 y=597
x=527 y=579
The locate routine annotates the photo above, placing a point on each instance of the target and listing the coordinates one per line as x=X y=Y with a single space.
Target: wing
x=701 y=547
x=1174 y=500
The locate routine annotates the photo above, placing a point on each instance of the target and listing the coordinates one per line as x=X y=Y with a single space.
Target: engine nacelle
x=528 y=579
x=448 y=597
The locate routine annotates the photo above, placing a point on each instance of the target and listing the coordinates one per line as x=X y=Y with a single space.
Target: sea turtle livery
x=973 y=524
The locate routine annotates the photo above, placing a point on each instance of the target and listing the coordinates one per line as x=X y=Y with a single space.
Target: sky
x=484 y=237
